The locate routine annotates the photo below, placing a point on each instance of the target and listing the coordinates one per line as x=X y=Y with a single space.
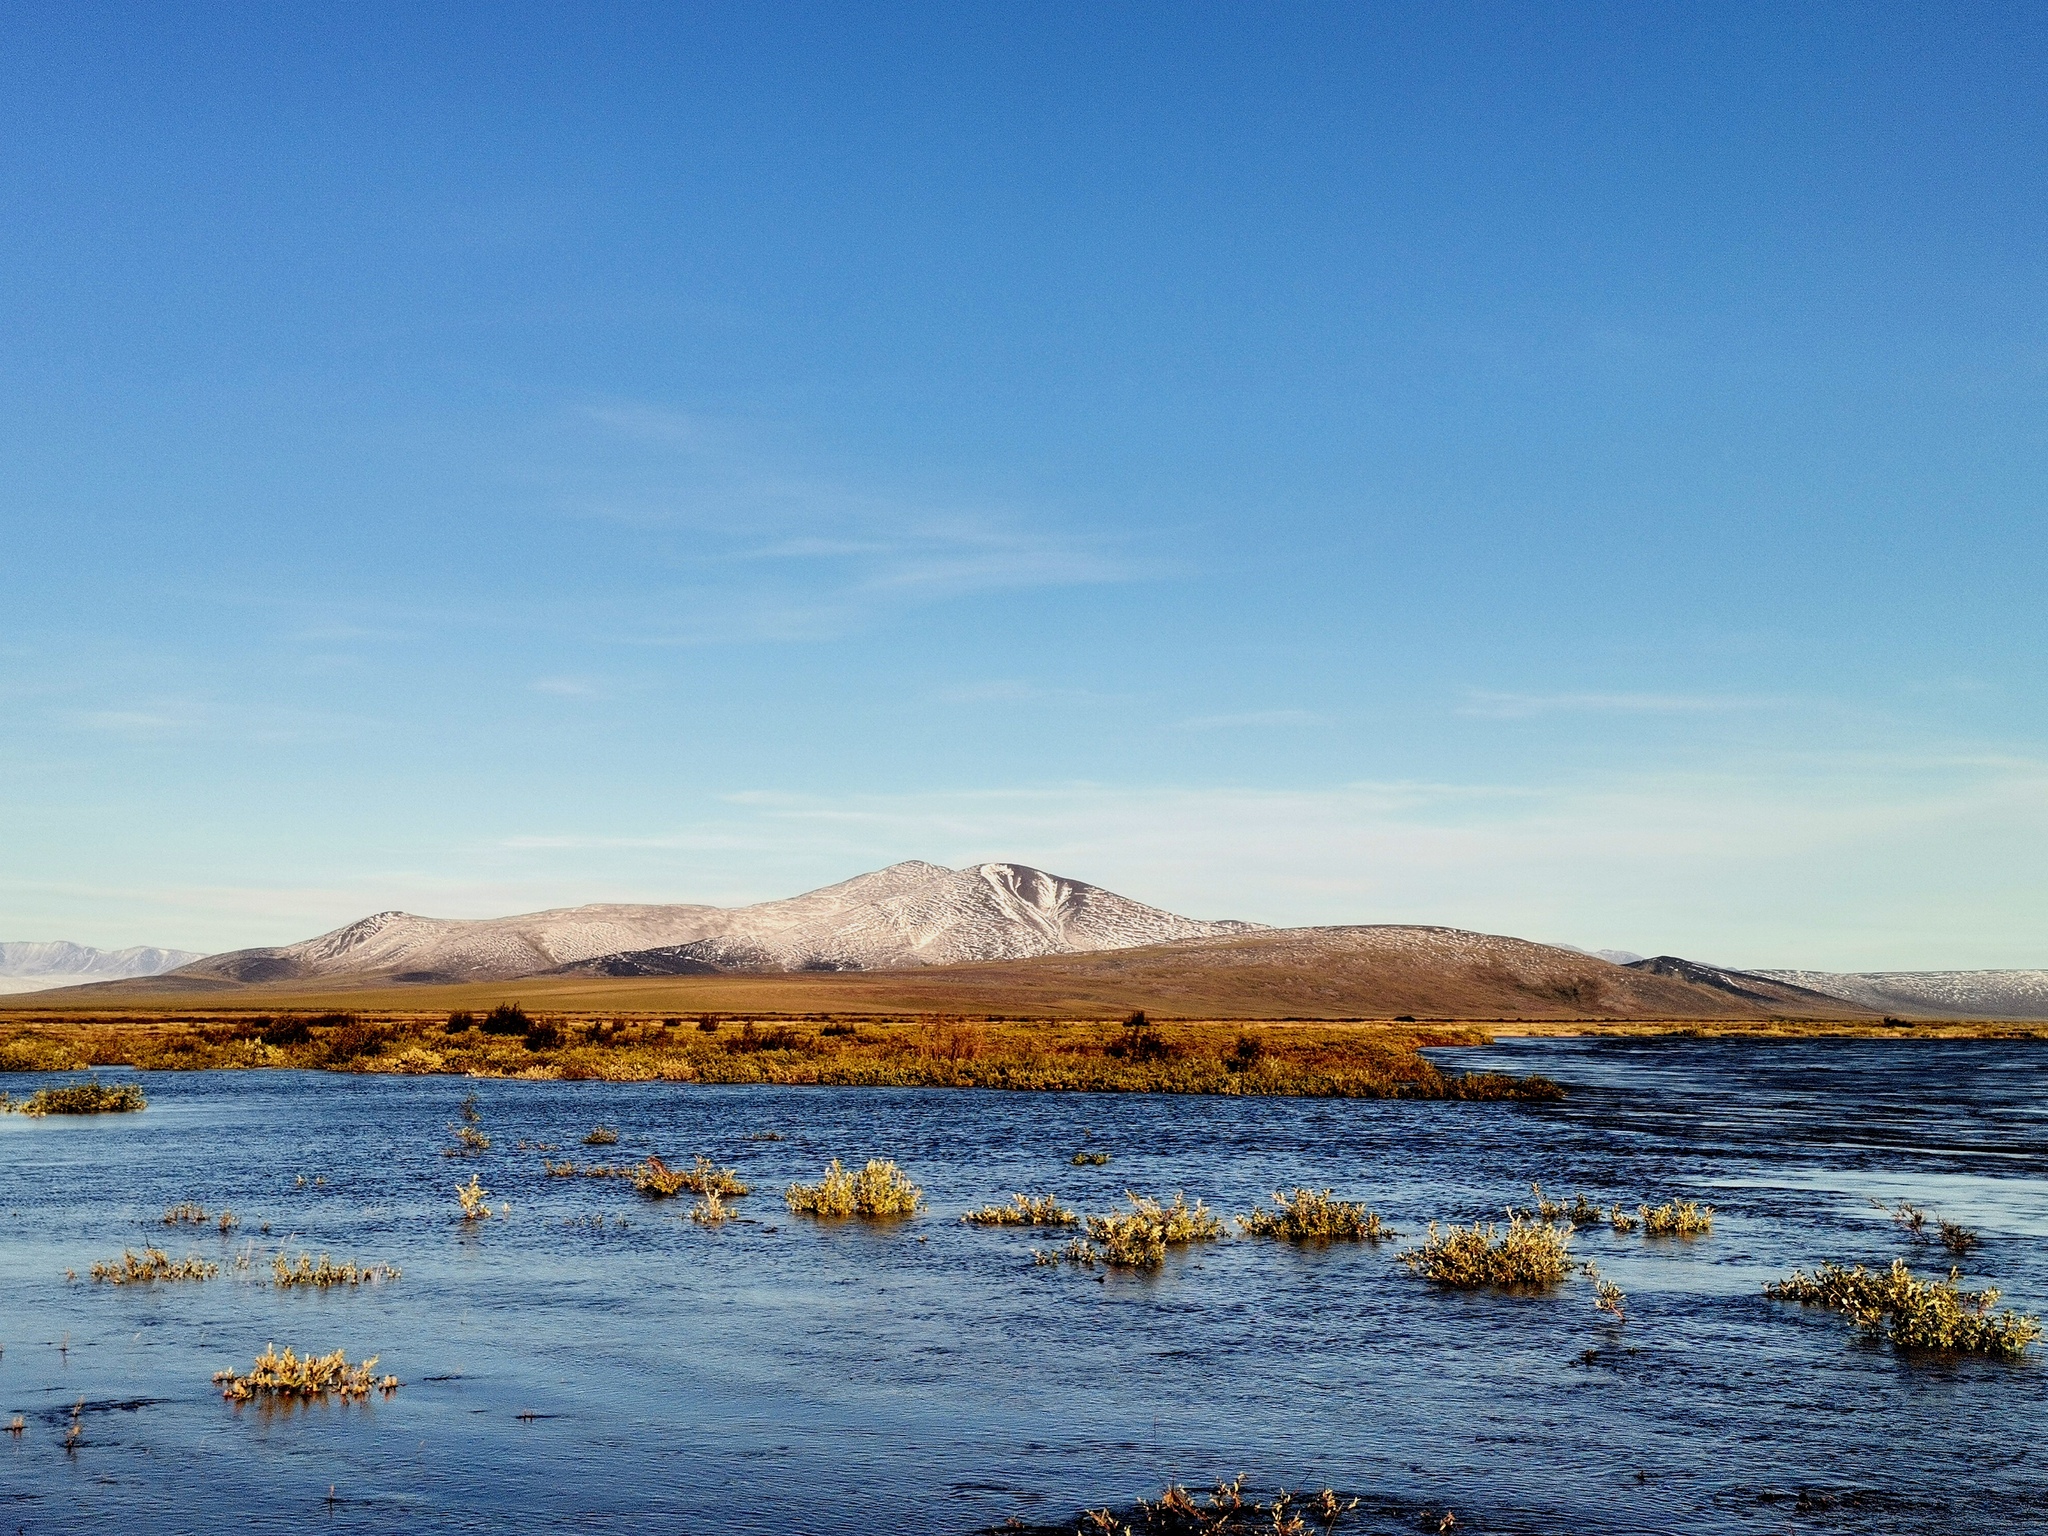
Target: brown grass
x=1024 y=1211
x=327 y=1273
x=152 y=1264
x=288 y=1375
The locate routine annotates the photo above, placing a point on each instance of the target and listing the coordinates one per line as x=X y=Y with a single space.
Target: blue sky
x=1571 y=471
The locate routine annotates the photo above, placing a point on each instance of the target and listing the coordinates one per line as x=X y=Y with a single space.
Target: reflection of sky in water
x=783 y=1375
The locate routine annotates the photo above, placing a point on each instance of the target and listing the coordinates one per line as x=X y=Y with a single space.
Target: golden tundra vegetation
x=91 y=1097
x=1915 y=1314
x=1135 y=1054
x=289 y=1375
x=1227 y=1511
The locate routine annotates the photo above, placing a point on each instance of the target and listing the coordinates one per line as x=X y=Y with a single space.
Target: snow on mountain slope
x=1943 y=994
x=34 y=967
x=908 y=914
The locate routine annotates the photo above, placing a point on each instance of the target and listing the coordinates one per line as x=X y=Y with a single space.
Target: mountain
x=1941 y=994
x=35 y=967
x=1767 y=992
x=911 y=914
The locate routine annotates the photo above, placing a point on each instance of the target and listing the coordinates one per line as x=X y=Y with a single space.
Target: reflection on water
x=638 y=1372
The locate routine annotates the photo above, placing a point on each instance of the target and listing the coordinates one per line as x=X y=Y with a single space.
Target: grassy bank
x=1102 y=1055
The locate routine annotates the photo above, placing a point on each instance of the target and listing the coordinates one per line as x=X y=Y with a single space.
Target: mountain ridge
x=40 y=965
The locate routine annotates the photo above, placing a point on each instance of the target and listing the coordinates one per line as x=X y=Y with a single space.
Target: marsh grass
x=1024 y=1211
x=654 y=1177
x=879 y=1191
x=1916 y=1315
x=1524 y=1254
x=1315 y=1216
x=186 y=1213
x=1676 y=1218
x=287 y=1375
x=152 y=1264
x=91 y=1097
x=327 y=1273
x=565 y=1169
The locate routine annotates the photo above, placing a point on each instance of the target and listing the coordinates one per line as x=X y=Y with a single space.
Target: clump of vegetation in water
x=327 y=1273
x=1525 y=1253
x=601 y=1136
x=1954 y=1236
x=710 y=1211
x=1607 y=1296
x=91 y=1097
x=656 y=1178
x=1314 y=1216
x=1024 y=1211
x=1915 y=1314
x=1091 y=1159
x=1676 y=1218
x=1138 y=1238
x=476 y=1200
x=879 y=1190
x=152 y=1264
x=287 y=1375
x=1227 y=1511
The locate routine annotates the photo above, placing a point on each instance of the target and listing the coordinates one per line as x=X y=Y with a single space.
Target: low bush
x=91 y=1097
x=1524 y=1253
x=506 y=1019
x=327 y=1273
x=601 y=1136
x=1915 y=1314
x=286 y=1375
x=656 y=1178
x=1313 y=1216
x=1024 y=1211
x=1138 y=1238
x=152 y=1264
x=460 y=1022
x=878 y=1191
x=1676 y=1218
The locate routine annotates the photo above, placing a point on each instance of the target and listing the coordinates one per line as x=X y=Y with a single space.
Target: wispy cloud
x=1253 y=720
x=1518 y=706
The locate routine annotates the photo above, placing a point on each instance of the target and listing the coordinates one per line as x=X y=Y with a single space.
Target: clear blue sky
x=1572 y=471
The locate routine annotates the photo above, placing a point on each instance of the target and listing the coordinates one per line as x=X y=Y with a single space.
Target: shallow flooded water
x=596 y=1362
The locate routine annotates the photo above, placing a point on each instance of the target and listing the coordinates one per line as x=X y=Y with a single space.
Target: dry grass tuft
x=1523 y=1254
x=1676 y=1218
x=327 y=1272
x=91 y=1097
x=601 y=1136
x=1923 y=1315
x=286 y=1375
x=878 y=1191
x=710 y=1211
x=1312 y=1216
x=152 y=1264
x=1024 y=1211
x=186 y=1214
x=476 y=1200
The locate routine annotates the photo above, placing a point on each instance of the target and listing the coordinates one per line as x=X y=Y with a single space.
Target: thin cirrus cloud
x=1522 y=706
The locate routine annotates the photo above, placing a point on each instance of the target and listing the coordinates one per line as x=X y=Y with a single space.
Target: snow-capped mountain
x=34 y=967
x=909 y=914
x=1923 y=994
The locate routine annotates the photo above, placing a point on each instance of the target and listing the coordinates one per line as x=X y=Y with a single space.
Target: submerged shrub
x=1957 y=1239
x=654 y=1177
x=1932 y=1315
x=91 y=1097
x=286 y=1375
x=601 y=1136
x=1091 y=1159
x=327 y=1272
x=476 y=1200
x=879 y=1190
x=1524 y=1253
x=152 y=1264
x=1024 y=1211
x=1313 y=1216
x=1676 y=1218
x=1138 y=1238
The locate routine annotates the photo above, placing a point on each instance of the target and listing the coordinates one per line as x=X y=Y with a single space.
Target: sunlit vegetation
x=1607 y=1296
x=1138 y=1238
x=1524 y=1253
x=1315 y=1216
x=1915 y=1314
x=1095 y=1055
x=476 y=1200
x=1912 y=1220
x=710 y=1211
x=1091 y=1159
x=91 y=1097
x=1676 y=1218
x=601 y=1136
x=152 y=1264
x=1226 y=1511
x=654 y=1177
x=878 y=1191
x=327 y=1273
x=1024 y=1211
x=287 y=1375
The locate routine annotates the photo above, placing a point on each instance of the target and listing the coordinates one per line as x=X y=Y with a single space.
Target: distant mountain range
x=1008 y=930
x=33 y=967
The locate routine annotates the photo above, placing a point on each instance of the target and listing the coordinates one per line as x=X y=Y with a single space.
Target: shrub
x=1312 y=1216
x=706 y=1022
x=91 y=1097
x=152 y=1264
x=1957 y=1239
x=879 y=1190
x=476 y=1200
x=654 y=1177
x=543 y=1036
x=779 y=1038
x=1927 y=1315
x=601 y=1136
x=285 y=1032
x=459 y=1023
x=286 y=1375
x=1091 y=1159
x=1525 y=1253
x=1138 y=1238
x=1024 y=1211
x=327 y=1273
x=506 y=1019
x=1680 y=1218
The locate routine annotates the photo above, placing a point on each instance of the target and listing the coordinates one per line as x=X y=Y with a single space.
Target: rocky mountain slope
x=910 y=914
x=1932 y=994
x=1765 y=991
x=35 y=967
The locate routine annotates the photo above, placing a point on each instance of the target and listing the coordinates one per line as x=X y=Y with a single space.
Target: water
x=789 y=1376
